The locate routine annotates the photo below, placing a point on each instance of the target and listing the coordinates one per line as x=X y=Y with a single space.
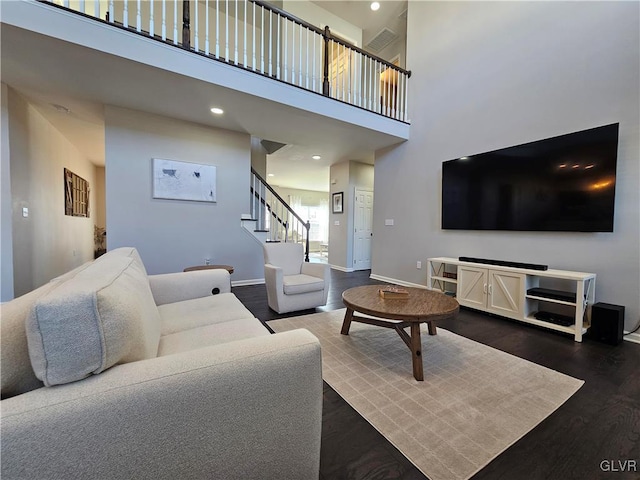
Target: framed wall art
x=176 y=180
x=76 y=195
x=337 y=199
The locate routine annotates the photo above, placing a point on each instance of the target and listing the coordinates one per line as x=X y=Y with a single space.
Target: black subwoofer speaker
x=607 y=323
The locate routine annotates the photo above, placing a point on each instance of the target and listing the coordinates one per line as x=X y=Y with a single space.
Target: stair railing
x=274 y=215
x=259 y=37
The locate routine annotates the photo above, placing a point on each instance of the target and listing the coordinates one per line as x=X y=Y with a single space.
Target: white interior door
x=363 y=229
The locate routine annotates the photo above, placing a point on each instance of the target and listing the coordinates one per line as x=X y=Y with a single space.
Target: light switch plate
x=25 y=212
x=389 y=222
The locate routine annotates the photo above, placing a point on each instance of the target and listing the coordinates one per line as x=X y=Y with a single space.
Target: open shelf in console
x=519 y=293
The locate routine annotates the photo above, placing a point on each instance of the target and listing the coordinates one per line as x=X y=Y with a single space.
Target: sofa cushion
x=295 y=284
x=103 y=316
x=198 y=312
x=211 y=335
x=17 y=375
x=128 y=252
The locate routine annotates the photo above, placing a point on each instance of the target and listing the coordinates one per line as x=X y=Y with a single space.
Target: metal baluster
x=217 y=29
x=286 y=53
x=244 y=43
x=226 y=31
x=270 y=43
x=300 y=54
x=164 y=20
x=344 y=74
x=278 y=48
x=376 y=87
x=196 y=34
x=96 y=8
x=253 y=196
x=313 y=64
x=206 y=27
x=253 y=41
x=307 y=59
x=175 y=22
x=112 y=12
x=388 y=103
x=81 y=6
x=261 y=39
x=125 y=14
x=351 y=73
x=138 y=16
x=235 y=46
x=293 y=54
x=400 y=112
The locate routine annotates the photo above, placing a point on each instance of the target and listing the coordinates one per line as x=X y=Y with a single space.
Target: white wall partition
x=522 y=71
x=6 y=203
x=174 y=234
x=46 y=242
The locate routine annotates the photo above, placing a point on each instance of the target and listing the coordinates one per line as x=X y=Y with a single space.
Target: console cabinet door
x=472 y=287
x=505 y=294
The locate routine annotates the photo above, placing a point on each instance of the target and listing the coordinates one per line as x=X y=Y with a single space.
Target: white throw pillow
x=103 y=316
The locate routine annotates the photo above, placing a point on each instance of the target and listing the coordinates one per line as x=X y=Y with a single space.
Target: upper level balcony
x=276 y=76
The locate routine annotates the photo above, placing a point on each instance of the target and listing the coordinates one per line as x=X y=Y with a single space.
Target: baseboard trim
x=632 y=337
x=342 y=269
x=395 y=281
x=244 y=283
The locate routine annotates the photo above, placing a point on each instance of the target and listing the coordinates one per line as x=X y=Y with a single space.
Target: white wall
x=99 y=208
x=318 y=16
x=47 y=243
x=491 y=75
x=170 y=234
x=348 y=176
x=6 y=228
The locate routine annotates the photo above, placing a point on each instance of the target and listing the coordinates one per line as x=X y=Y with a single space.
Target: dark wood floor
x=599 y=425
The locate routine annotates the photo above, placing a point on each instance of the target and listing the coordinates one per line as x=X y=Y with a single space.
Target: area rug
x=475 y=401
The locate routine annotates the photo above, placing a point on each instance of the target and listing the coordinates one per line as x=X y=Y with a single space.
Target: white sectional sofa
x=110 y=373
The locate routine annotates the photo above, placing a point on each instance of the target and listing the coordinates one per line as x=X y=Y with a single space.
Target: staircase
x=272 y=219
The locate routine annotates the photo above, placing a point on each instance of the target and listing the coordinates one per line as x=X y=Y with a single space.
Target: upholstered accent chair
x=293 y=284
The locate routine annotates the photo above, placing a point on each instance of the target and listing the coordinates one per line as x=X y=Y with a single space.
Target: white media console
x=518 y=293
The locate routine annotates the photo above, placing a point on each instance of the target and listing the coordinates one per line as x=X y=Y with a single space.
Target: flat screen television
x=560 y=184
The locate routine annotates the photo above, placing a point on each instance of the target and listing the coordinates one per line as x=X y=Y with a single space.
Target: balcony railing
x=256 y=36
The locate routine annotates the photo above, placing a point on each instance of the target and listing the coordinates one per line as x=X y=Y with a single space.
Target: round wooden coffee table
x=422 y=306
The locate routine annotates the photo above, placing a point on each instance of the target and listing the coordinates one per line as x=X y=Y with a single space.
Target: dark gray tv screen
x=560 y=184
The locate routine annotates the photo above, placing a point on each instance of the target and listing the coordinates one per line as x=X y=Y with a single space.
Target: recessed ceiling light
x=464 y=158
x=316 y=157
x=217 y=111
x=270 y=175
x=375 y=6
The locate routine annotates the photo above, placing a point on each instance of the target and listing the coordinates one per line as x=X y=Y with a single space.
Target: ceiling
x=53 y=74
x=391 y=15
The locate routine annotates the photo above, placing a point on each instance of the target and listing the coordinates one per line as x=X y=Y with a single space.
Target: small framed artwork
x=175 y=180
x=337 y=199
x=76 y=195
